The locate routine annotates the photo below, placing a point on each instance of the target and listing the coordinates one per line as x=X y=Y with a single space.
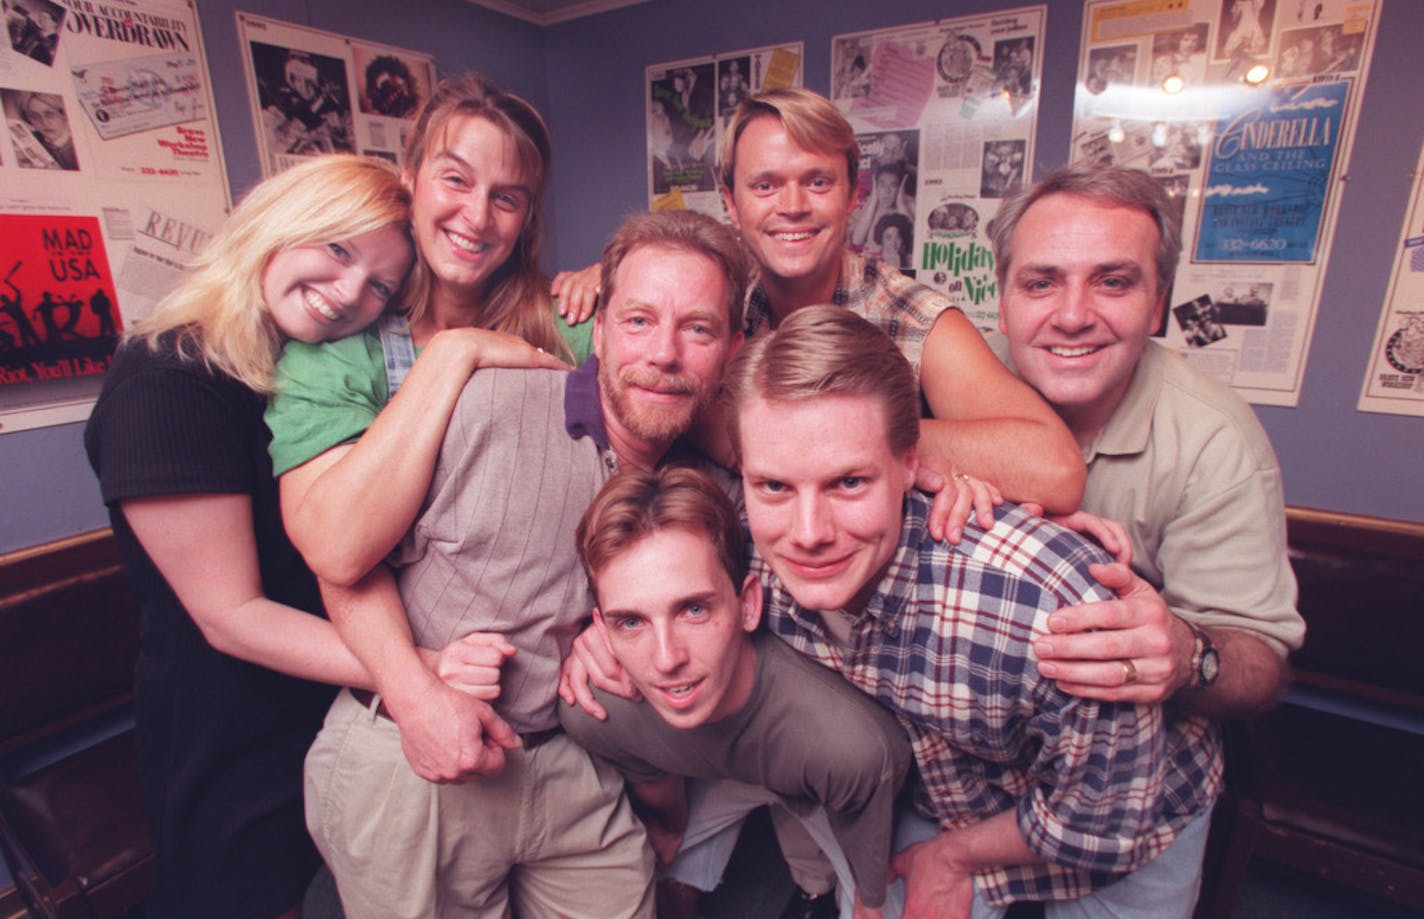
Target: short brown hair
x=811 y=119
x=633 y=505
x=826 y=351
x=690 y=232
x=1110 y=186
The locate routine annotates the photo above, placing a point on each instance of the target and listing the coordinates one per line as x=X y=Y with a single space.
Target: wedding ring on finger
x=959 y=476
x=1129 y=672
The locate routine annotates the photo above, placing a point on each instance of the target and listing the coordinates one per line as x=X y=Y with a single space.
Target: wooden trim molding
x=35 y=566
x=1380 y=535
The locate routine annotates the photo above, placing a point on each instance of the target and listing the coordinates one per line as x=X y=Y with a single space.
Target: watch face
x=1210 y=666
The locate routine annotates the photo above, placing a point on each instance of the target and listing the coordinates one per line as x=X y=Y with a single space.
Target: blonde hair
x=812 y=121
x=826 y=351
x=218 y=311
x=518 y=301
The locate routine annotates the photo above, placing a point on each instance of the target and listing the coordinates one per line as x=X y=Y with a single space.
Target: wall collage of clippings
x=108 y=112
x=1245 y=110
x=112 y=105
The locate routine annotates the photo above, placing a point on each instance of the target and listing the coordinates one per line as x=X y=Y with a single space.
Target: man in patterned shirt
x=1032 y=794
x=787 y=168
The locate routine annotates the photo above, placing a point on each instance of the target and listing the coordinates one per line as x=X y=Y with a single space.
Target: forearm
x=371 y=620
x=991 y=425
x=1252 y=678
x=1026 y=459
x=992 y=843
x=287 y=640
x=939 y=873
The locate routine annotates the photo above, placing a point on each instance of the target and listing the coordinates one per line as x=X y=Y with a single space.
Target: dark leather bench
x=71 y=819
x=1331 y=783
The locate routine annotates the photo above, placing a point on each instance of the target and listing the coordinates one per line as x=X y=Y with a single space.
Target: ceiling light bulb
x=1257 y=74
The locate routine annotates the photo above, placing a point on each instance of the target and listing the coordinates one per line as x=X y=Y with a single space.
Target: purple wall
x=1334 y=457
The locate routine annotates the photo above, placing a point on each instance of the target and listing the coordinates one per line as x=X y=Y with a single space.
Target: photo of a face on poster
x=34 y=28
x=305 y=107
x=1002 y=172
x=734 y=83
x=1181 y=52
x=882 y=222
x=1115 y=66
x=39 y=129
x=389 y=84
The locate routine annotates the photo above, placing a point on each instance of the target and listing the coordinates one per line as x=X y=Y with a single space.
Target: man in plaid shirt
x=787 y=168
x=1032 y=794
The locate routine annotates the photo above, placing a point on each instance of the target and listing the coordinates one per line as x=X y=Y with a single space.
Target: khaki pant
x=553 y=832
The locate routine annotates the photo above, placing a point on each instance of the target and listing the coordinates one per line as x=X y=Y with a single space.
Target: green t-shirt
x=328 y=394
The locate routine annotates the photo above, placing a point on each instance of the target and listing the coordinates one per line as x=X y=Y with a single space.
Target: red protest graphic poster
x=59 y=314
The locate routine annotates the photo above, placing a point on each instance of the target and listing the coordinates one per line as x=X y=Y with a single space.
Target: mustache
x=661 y=382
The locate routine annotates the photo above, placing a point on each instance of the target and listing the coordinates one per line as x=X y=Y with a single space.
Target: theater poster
x=946 y=115
x=1245 y=111
x=315 y=92
x=1394 y=382
x=689 y=103
x=111 y=178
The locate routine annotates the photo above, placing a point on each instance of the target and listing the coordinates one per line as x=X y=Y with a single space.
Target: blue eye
x=338 y=250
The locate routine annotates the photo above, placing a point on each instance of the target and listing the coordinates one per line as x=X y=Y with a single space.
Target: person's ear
x=729 y=202
x=912 y=463
x=750 y=602
x=739 y=338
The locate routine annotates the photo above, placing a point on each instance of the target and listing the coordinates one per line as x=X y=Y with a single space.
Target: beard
x=653 y=423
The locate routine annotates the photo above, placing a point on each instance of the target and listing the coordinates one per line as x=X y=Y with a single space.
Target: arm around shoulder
x=992 y=425
x=382 y=479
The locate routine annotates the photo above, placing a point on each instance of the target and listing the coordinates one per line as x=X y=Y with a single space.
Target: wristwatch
x=1206 y=660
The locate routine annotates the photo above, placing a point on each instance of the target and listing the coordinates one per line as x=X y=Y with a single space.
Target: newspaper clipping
x=1394 y=383
x=315 y=92
x=945 y=113
x=108 y=114
x=689 y=103
x=1245 y=111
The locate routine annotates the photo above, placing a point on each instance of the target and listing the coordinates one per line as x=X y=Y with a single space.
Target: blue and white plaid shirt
x=1099 y=788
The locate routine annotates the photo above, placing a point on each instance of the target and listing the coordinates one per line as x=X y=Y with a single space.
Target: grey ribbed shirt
x=493 y=548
